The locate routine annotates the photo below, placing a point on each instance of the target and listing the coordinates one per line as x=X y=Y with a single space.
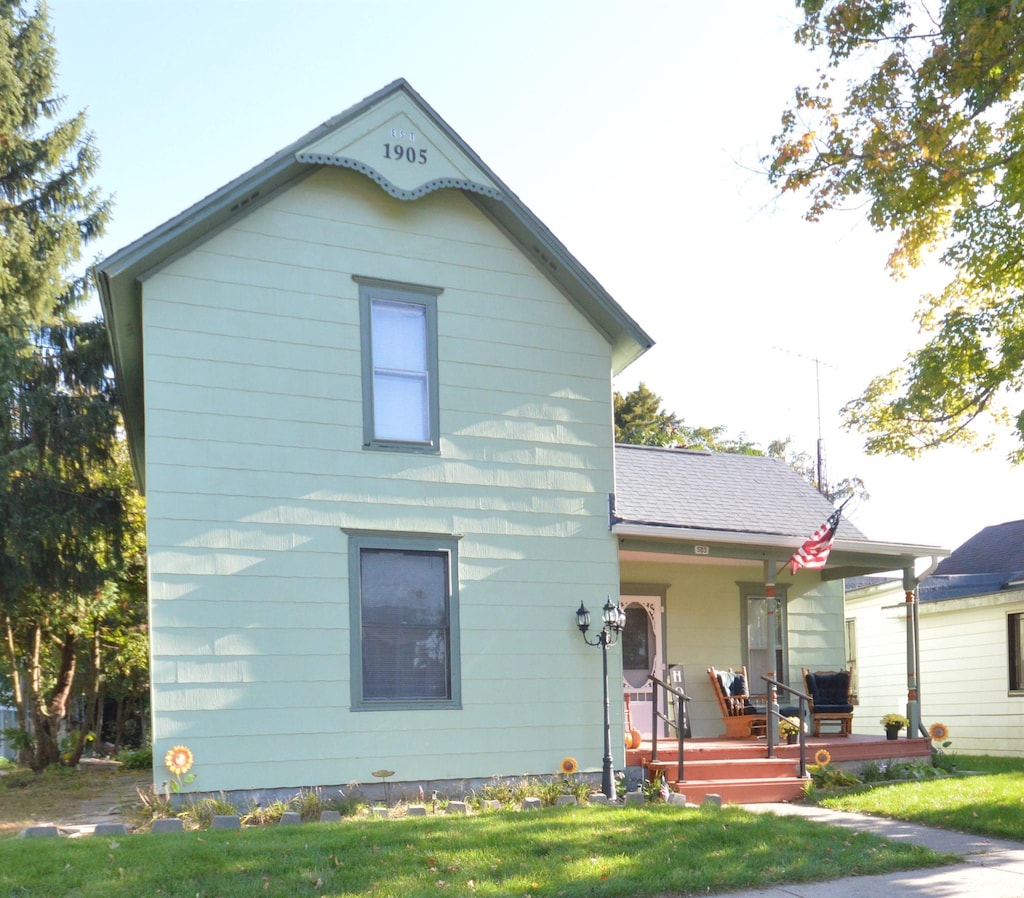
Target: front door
x=642 y=656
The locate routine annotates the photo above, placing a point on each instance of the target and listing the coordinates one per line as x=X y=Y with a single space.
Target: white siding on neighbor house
x=964 y=666
x=255 y=464
x=704 y=625
x=881 y=655
x=965 y=673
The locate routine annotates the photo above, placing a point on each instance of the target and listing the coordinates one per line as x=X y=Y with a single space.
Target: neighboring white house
x=369 y=398
x=971 y=613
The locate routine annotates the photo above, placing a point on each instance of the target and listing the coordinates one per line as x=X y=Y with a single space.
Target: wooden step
x=740 y=769
x=752 y=791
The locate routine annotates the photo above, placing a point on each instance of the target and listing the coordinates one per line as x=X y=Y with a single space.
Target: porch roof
x=707 y=505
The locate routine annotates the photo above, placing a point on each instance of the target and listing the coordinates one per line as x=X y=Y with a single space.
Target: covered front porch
x=704 y=545
x=740 y=771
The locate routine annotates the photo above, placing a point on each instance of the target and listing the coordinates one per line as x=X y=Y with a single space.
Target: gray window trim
x=395 y=291
x=418 y=542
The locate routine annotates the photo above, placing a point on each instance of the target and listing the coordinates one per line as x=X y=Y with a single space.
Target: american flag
x=814 y=552
x=664 y=787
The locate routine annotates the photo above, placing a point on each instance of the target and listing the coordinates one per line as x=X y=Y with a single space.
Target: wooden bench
x=830 y=699
x=743 y=714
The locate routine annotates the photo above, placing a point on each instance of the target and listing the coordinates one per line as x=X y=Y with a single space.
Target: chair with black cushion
x=743 y=714
x=830 y=699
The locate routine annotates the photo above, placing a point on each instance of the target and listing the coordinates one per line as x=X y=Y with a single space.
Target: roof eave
x=848 y=558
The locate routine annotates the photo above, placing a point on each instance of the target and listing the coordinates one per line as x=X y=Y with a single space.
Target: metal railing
x=773 y=712
x=656 y=715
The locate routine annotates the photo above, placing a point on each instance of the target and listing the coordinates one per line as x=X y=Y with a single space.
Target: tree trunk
x=91 y=697
x=47 y=715
x=20 y=705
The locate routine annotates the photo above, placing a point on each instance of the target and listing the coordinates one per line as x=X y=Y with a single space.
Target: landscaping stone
x=110 y=829
x=330 y=816
x=226 y=821
x=378 y=811
x=490 y=804
x=565 y=799
x=598 y=798
x=416 y=810
x=40 y=831
x=635 y=798
x=168 y=825
x=532 y=804
x=457 y=807
x=677 y=798
x=711 y=801
x=290 y=818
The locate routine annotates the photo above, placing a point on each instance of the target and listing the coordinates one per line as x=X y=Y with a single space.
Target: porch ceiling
x=848 y=558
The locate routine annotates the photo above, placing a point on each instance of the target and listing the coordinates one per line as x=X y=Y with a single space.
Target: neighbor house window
x=399 y=361
x=1015 y=629
x=404 y=613
x=851 y=656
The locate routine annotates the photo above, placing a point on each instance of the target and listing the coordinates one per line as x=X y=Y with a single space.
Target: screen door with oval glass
x=641 y=656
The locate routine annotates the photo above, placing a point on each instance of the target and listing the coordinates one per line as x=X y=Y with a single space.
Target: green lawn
x=990 y=803
x=572 y=851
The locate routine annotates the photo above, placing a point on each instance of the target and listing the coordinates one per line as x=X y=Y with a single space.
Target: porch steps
x=739 y=771
x=738 y=780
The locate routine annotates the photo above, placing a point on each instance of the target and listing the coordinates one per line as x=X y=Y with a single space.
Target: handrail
x=655 y=714
x=805 y=718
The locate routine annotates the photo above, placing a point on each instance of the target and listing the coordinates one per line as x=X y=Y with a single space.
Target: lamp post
x=613 y=620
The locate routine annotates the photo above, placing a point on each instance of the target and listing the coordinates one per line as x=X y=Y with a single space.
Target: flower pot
x=792 y=738
x=892 y=733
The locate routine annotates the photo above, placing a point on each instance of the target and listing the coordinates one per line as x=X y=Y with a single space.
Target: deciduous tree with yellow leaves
x=918 y=109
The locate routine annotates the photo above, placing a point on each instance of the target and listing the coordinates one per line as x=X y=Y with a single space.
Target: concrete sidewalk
x=993 y=868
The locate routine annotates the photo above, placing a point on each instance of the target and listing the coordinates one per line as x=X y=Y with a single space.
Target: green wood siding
x=255 y=464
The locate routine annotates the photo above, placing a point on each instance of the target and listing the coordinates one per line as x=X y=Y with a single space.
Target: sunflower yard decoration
x=822 y=758
x=568 y=766
x=938 y=732
x=178 y=761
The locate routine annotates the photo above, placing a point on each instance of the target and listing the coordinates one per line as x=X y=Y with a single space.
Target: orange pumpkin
x=633 y=738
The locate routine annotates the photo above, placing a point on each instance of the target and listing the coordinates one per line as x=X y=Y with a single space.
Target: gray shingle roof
x=996 y=549
x=718 y=491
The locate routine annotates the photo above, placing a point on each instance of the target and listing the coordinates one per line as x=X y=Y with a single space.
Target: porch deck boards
x=739 y=770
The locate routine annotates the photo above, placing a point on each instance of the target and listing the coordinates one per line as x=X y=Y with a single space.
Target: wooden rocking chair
x=743 y=714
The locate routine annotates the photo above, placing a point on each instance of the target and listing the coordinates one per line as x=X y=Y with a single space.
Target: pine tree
x=61 y=510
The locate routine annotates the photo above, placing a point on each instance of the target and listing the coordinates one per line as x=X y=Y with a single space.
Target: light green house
x=368 y=397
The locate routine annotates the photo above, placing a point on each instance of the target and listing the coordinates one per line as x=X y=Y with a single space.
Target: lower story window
x=405 y=622
x=1015 y=641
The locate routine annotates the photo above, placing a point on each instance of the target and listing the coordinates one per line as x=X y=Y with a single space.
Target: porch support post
x=913 y=704
x=773 y=693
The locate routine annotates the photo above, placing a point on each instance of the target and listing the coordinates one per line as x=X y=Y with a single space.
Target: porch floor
x=739 y=770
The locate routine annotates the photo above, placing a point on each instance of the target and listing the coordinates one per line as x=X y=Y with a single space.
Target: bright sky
x=631 y=128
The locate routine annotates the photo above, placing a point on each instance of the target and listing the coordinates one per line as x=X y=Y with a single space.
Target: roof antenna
x=821 y=469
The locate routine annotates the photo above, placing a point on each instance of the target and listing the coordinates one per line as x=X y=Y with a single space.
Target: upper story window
x=399 y=358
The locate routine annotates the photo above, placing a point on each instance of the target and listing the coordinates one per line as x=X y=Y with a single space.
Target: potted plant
x=893 y=723
x=790 y=727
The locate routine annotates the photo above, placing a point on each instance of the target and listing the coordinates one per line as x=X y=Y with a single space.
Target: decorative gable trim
x=393 y=189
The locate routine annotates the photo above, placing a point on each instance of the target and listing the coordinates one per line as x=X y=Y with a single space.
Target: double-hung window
x=399 y=361
x=405 y=621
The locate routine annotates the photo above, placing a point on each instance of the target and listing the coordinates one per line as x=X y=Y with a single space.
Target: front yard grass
x=990 y=803
x=573 y=851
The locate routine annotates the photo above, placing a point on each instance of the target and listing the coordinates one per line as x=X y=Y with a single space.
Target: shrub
x=135 y=759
